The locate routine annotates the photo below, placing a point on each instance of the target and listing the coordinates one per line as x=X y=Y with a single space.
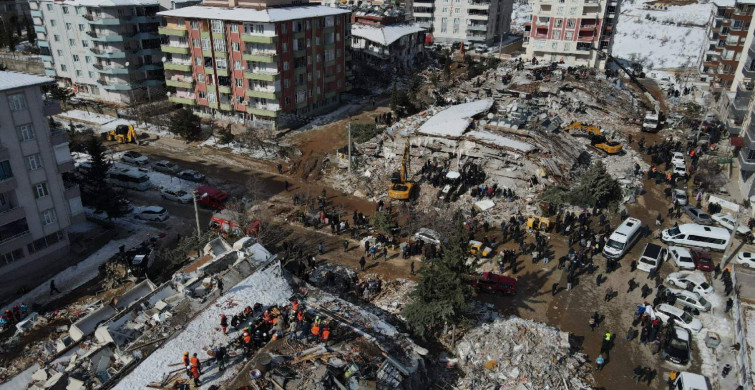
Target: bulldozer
x=600 y=143
x=579 y=128
x=123 y=134
x=400 y=188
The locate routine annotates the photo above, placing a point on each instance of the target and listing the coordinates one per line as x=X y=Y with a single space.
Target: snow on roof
x=253 y=15
x=384 y=35
x=499 y=140
x=266 y=286
x=454 y=120
x=108 y=3
x=12 y=80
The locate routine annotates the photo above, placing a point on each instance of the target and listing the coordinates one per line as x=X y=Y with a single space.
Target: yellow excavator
x=123 y=134
x=597 y=139
x=400 y=188
x=579 y=128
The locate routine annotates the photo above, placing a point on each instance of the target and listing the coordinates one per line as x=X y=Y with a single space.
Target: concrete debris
x=522 y=353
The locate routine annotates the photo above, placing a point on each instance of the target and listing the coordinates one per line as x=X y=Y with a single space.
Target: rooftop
x=253 y=15
x=12 y=80
x=454 y=120
x=384 y=35
x=106 y=3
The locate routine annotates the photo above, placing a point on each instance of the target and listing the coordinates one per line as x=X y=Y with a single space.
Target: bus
x=622 y=239
x=691 y=234
x=129 y=178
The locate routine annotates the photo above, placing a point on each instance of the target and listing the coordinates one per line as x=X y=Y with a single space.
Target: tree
x=440 y=296
x=381 y=221
x=185 y=124
x=63 y=95
x=710 y=175
x=596 y=187
x=96 y=191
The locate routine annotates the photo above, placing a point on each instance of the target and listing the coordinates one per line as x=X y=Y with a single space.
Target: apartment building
x=20 y=8
x=36 y=204
x=577 y=32
x=471 y=21
x=727 y=39
x=269 y=67
x=106 y=50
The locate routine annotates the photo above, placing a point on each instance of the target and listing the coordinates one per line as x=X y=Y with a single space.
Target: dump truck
x=401 y=188
x=123 y=134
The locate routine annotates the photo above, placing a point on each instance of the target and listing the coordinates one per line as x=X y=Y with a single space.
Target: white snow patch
x=22 y=380
x=500 y=140
x=454 y=120
x=385 y=35
x=107 y=122
x=521 y=13
x=266 y=286
x=236 y=147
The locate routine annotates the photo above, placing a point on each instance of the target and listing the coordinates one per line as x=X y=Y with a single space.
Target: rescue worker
x=195 y=363
x=224 y=323
x=300 y=316
x=220 y=357
x=195 y=375
x=187 y=363
x=326 y=335
x=235 y=320
x=295 y=305
x=247 y=340
x=316 y=330
x=266 y=316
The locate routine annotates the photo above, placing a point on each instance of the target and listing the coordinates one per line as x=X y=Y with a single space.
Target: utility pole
x=196 y=214
x=348 y=129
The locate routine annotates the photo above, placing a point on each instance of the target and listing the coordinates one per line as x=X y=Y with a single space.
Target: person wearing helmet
x=187 y=363
x=224 y=323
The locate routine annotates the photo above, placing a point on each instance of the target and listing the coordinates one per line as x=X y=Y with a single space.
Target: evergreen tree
x=440 y=296
x=596 y=187
x=186 y=124
x=96 y=191
x=381 y=222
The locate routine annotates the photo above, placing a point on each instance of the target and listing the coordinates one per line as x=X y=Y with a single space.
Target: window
x=69 y=26
x=329 y=55
x=211 y=97
x=219 y=44
x=569 y=35
x=557 y=35
x=71 y=42
x=5 y=171
x=445 y=10
x=284 y=29
x=33 y=162
x=198 y=61
x=17 y=102
x=259 y=28
x=737 y=25
x=217 y=26
x=25 y=132
x=48 y=217
x=194 y=24
x=221 y=63
x=76 y=58
x=286 y=83
x=457 y=10
x=285 y=65
x=65 y=10
x=49 y=7
x=81 y=27
x=85 y=43
x=202 y=95
x=60 y=52
x=284 y=47
x=235 y=46
x=240 y=83
x=205 y=43
x=91 y=75
x=200 y=78
x=52 y=23
x=40 y=190
x=560 y=11
x=237 y=65
x=56 y=37
x=234 y=28
x=196 y=42
x=570 y=23
x=572 y=11
x=11 y=257
x=87 y=59
x=63 y=68
x=329 y=22
x=79 y=73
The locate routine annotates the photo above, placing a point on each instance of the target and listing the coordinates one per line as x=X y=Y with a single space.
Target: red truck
x=492 y=283
x=226 y=223
x=211 y=197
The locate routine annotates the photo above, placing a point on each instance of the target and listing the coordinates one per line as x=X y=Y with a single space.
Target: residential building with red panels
x=270 y=67
x=576 y=32
x=727 y=32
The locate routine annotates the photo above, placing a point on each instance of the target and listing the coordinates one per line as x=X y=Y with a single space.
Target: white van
x=690 y=234
x=690 y=381
x=622 y=239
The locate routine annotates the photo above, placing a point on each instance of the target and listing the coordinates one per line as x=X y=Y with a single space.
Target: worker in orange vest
x=195 y=374
x=300 y=316
x=325 y=334
x=195 y=363
x=316 y=331
x=266 y=315
x=295 y=305
x=187 y=363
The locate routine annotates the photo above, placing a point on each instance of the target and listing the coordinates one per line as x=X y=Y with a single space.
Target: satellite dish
x=163 y=59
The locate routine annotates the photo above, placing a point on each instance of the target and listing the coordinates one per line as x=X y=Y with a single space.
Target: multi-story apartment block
x=20 y=8
x=577 y=32
x=36 y=204
x=471 y=21
x=104 y=50
x=268 y=67
x=727 y=35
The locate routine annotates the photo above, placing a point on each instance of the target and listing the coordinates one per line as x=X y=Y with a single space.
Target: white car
x=152 y=213
x=678 y=158
x=165 y=167
x=679 y=196
x=690 y=299
x=695 y=281
x=428 y=236
x=728 y=221
x=132 y=157
x=747 y=259
x=681 y=318
x=176 y=195
x=681 y=256
x=680 y=169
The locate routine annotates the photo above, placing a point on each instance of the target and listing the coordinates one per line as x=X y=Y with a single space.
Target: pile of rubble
x=525 y=353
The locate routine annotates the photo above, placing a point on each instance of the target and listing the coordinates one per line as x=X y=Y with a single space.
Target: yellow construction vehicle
x=123 y=134
x=400 y=188
x=600 y=143
x=579 y=128
x=538 y=223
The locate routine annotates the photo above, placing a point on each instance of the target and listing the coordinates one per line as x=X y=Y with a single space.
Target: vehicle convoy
x=401 y=188
x=123 y=134
x=492 y=283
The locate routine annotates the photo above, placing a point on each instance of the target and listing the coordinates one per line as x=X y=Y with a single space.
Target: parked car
x=679 y=196
x=697 y=215
x=191 y=175
x=490 y=282
x=136 y=158
x=680 y=169
x=728 y=221
x=690 y=299
x=176 y=195
x=678 y=349
x=428 y=236
x=152 y=213
x=165 y=167
x=747 y=259
x=211 y=197
x=651 y=258
x=476 y=246
x=702 y=259
x=681 y=318
x=691 y=281
x=681 y=257
x=678 y=158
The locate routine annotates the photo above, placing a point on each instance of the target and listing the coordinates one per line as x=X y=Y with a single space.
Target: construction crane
x=400 y=188
x=123 y=134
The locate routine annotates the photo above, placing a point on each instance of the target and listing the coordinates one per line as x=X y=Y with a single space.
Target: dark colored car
x=702 y=260
x=490 y=282
x=678 y=348
x=191 y=175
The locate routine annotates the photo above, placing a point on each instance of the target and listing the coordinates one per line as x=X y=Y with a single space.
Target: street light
x=196 y=211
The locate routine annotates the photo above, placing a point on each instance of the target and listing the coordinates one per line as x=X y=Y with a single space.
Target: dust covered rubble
x=522 y=353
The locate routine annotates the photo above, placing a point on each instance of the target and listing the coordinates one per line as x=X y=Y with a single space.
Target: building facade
x=20 y=8
x=266 y=67
x=471 y=21
x=36 y=204
x=105 y=50
x=727 y=41
x=578 y=32
x=396 y=45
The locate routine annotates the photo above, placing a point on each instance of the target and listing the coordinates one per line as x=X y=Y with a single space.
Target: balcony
x=262 y=110
x=100 y=37
x=258 y=75
x=14 y=241
x=72 y=192
x=744 y=164
x=423 y=5
x=58 y=137
x=4 y=153
x=749 y=71
x=12 y=213
x=588 y=27
x=179 y=66
x=8 y=184
x=258 y=38
x=102 y=53
x=36 y=14
x=266 y=57
x=173 y=30
x=175 y=49
x=182 y=100
x=110 y=69
x=107 y=21
x=264 y=94
x=477 y=27
x=224 y=88
x=40 y=29
x=182 y=82
x=114 y=85
x=478 y=4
